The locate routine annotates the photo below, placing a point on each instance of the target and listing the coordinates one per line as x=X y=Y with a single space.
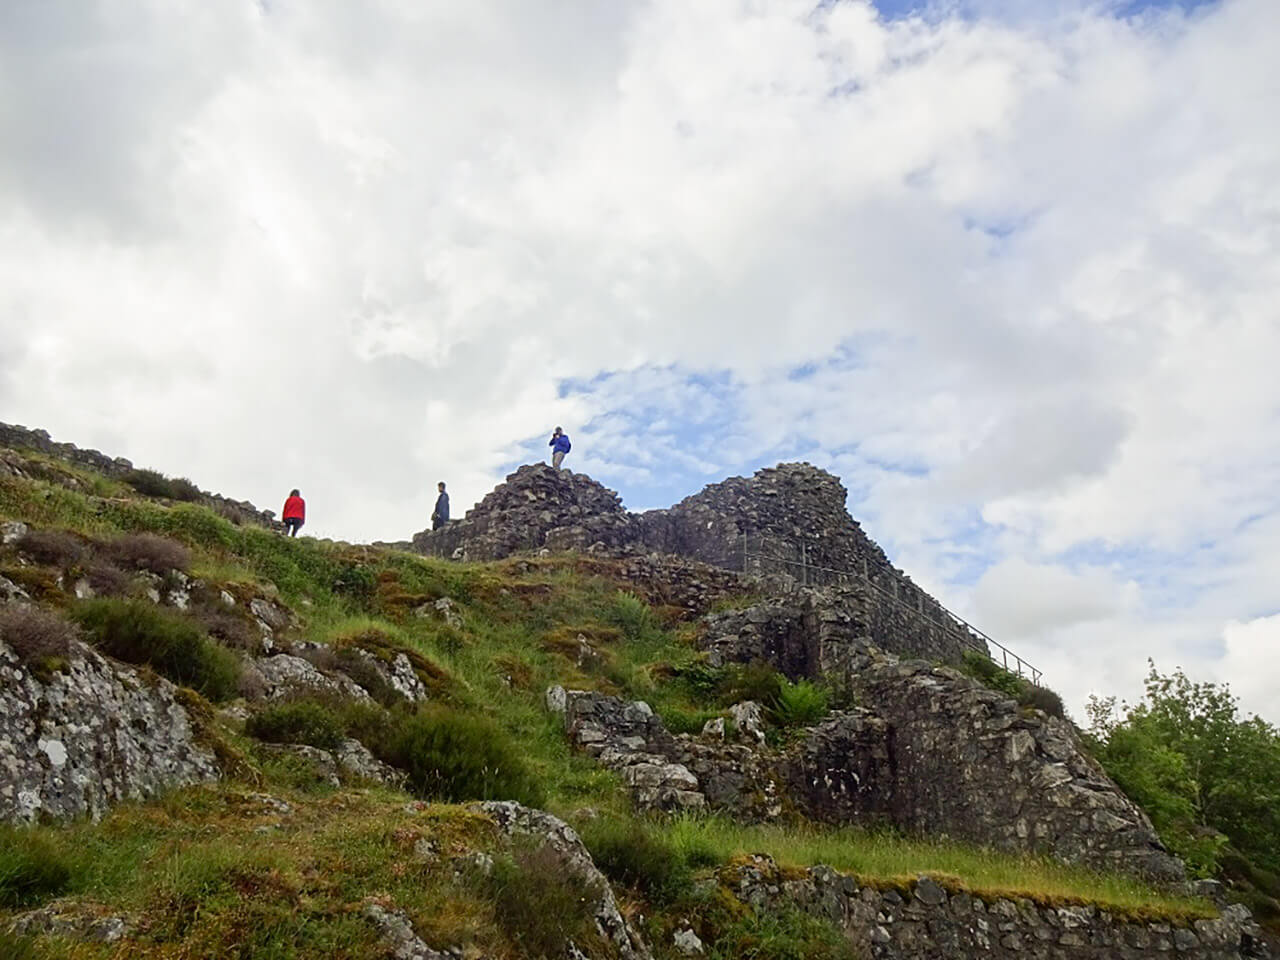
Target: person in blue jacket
x=440 y=516
x=559 y=445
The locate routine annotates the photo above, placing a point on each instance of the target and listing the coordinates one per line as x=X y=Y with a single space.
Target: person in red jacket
x=295 y=513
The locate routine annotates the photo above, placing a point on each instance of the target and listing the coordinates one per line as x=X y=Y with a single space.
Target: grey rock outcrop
x=970 y=763
x=926 y=921
x=285 y=675
x=516 y=820
x=928 y=750
x=83 y=738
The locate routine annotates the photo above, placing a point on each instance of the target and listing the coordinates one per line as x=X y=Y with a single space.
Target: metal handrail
x=971 y=634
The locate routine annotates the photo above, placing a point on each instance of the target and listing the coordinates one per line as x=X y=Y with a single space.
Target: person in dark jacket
x=294 y=514
x=440 y=515
x=559 y=444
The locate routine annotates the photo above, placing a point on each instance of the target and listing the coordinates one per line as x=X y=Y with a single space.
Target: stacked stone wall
x=924 y=921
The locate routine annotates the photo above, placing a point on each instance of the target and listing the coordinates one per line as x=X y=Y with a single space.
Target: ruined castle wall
x=790 y=523
x=923 y=921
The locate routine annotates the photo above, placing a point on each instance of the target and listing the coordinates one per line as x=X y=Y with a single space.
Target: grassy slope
x=305 y=877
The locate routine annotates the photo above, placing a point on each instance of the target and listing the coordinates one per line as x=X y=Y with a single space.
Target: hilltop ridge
x=216 y=740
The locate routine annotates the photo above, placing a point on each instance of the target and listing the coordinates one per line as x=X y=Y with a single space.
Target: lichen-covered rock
x=11 y=531
x=73 y=921
x=398 y=934
x=928 y=922
x=355 y=761
x=10 y=591
x=516 y=820
x=88 y=736
x=285 y=675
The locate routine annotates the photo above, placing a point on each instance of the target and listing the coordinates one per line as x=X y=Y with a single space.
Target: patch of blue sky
x=1028 y=9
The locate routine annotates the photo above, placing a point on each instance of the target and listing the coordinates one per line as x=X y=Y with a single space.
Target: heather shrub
x=454 y=756
x=52 y=548
x=298 y=721
x=1042 y=698
x=35 y=634
x=107 y=580
x=541 y=906
x=147 y=551
x=172 y=644
x=981 y=667
x=640 y=856
x=153 y=483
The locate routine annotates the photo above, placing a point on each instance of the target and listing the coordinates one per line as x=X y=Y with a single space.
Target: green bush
x=679 y=720
x=633 y=617
x=799 y=703
x=454 y=756
x=298 y=721
x=639 y=856
x=981 y=667
x=541 y=906
x=172 y=644
x=153 y=483
x=31 y=868
x=756 y=681
x=1042 y=698
x=14 y=947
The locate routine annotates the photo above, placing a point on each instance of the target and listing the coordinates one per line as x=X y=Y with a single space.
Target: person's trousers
x=557 y=458
x=292 y=526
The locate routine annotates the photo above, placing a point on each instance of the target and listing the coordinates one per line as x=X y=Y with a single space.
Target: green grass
x=885 y=858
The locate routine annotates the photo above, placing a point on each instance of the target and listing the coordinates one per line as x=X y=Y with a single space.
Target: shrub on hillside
x=1042 y=698
x=300 y=721
x=172 y=644
x=148 y=551
x=35 y=634
x=639 y=856
x=454 y=756
x=31 y=868
x=107 y=580
x=633 y=617
x=981 y=667
x=153 y=483
x=541 y=906
x=59 y=548
x=799 y=703
x=756 y=681
x=231 y=627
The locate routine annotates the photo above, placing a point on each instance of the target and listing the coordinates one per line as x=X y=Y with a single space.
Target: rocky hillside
x=217 y=741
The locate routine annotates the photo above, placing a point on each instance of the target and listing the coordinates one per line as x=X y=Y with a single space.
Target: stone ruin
x=787 y=525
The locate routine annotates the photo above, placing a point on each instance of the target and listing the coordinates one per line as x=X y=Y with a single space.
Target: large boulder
x=77 y=739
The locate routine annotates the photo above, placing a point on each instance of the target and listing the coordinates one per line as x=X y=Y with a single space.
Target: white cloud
x=1030 y=265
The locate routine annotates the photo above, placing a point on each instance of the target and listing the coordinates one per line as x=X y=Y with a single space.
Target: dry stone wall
x=924 y=921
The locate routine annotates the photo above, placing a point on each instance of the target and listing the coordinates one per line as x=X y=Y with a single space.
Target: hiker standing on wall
x=559 y=444
x=294 y=514
x=440 y=515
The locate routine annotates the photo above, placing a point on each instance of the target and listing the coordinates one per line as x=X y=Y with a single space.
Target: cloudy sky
x=1011 y=268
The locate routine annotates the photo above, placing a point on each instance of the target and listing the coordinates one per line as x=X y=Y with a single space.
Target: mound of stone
x=536 y=507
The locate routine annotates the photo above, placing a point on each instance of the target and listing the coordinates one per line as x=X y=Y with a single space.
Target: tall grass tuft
x=32 y=869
